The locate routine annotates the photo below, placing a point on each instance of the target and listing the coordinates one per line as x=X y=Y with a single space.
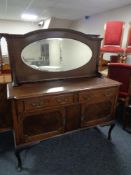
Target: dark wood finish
x=68 y=101
x=16 y=43
x=5 y=110
x=5 y=105
x=39 y=113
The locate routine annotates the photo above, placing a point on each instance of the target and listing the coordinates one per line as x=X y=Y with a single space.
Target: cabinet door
x=40 y=118
x=42 y=125
x=97 y=106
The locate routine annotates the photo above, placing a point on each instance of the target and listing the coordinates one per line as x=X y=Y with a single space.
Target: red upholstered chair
x=112 y=42
x=128 y=44
x=122 y=72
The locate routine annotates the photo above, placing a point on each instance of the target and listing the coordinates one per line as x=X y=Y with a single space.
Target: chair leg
x=100 y=61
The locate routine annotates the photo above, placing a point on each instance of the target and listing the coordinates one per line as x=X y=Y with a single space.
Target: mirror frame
x=58 y=59
x=21 y=73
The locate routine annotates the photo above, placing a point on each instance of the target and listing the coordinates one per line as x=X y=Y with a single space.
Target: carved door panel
x=97 y=106
x=95 y=113
x=44 y=124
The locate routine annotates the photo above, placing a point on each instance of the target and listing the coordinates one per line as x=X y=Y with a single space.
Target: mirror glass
x=56 y=54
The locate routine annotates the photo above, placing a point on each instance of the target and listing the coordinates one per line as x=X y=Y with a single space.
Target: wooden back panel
x=21 y=73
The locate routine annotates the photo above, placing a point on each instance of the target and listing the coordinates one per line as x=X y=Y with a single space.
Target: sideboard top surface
x=56 y=87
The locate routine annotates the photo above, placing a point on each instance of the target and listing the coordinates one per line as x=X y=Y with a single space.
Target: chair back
x=121 y=72
x=113 y=33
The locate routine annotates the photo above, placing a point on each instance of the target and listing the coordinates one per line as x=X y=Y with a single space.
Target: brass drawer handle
x=63 y=100
x=109 y=94
x=37 y=105
x=87 y=98
x=59 y=100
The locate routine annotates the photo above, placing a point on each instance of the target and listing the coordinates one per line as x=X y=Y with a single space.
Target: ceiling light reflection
x=29 y=17
x=55 y=89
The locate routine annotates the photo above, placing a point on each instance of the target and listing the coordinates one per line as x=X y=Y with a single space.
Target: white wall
x=17 y=27
x=60 y=23
x=95 y=24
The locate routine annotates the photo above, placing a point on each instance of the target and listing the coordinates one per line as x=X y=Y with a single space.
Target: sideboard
x=47 y=109
x=64 y=92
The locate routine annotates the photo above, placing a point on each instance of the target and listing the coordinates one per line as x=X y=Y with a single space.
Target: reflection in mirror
x=4 y=50
x=56 y=54
x=4 y=58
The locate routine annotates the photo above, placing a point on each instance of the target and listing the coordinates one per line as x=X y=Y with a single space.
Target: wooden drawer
x=48 y=101
x=97 y=95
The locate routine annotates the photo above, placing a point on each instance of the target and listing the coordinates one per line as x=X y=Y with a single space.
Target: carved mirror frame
x=21 y=73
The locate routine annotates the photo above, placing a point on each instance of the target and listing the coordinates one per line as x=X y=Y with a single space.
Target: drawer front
x=49 y=101
x=95 y=96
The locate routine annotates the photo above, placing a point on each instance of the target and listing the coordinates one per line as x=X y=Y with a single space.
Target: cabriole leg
x=110 y=130
x=19 y=162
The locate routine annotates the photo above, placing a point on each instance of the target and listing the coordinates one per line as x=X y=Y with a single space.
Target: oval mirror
x=56 y=54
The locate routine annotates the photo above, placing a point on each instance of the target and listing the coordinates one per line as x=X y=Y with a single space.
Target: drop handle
x=62 y=100
x=107 y=94
x=37 y=105
x=86 y=98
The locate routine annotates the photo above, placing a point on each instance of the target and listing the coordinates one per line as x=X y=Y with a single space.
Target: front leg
x=18 y=150
x=19 y=162
x=110 y=130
